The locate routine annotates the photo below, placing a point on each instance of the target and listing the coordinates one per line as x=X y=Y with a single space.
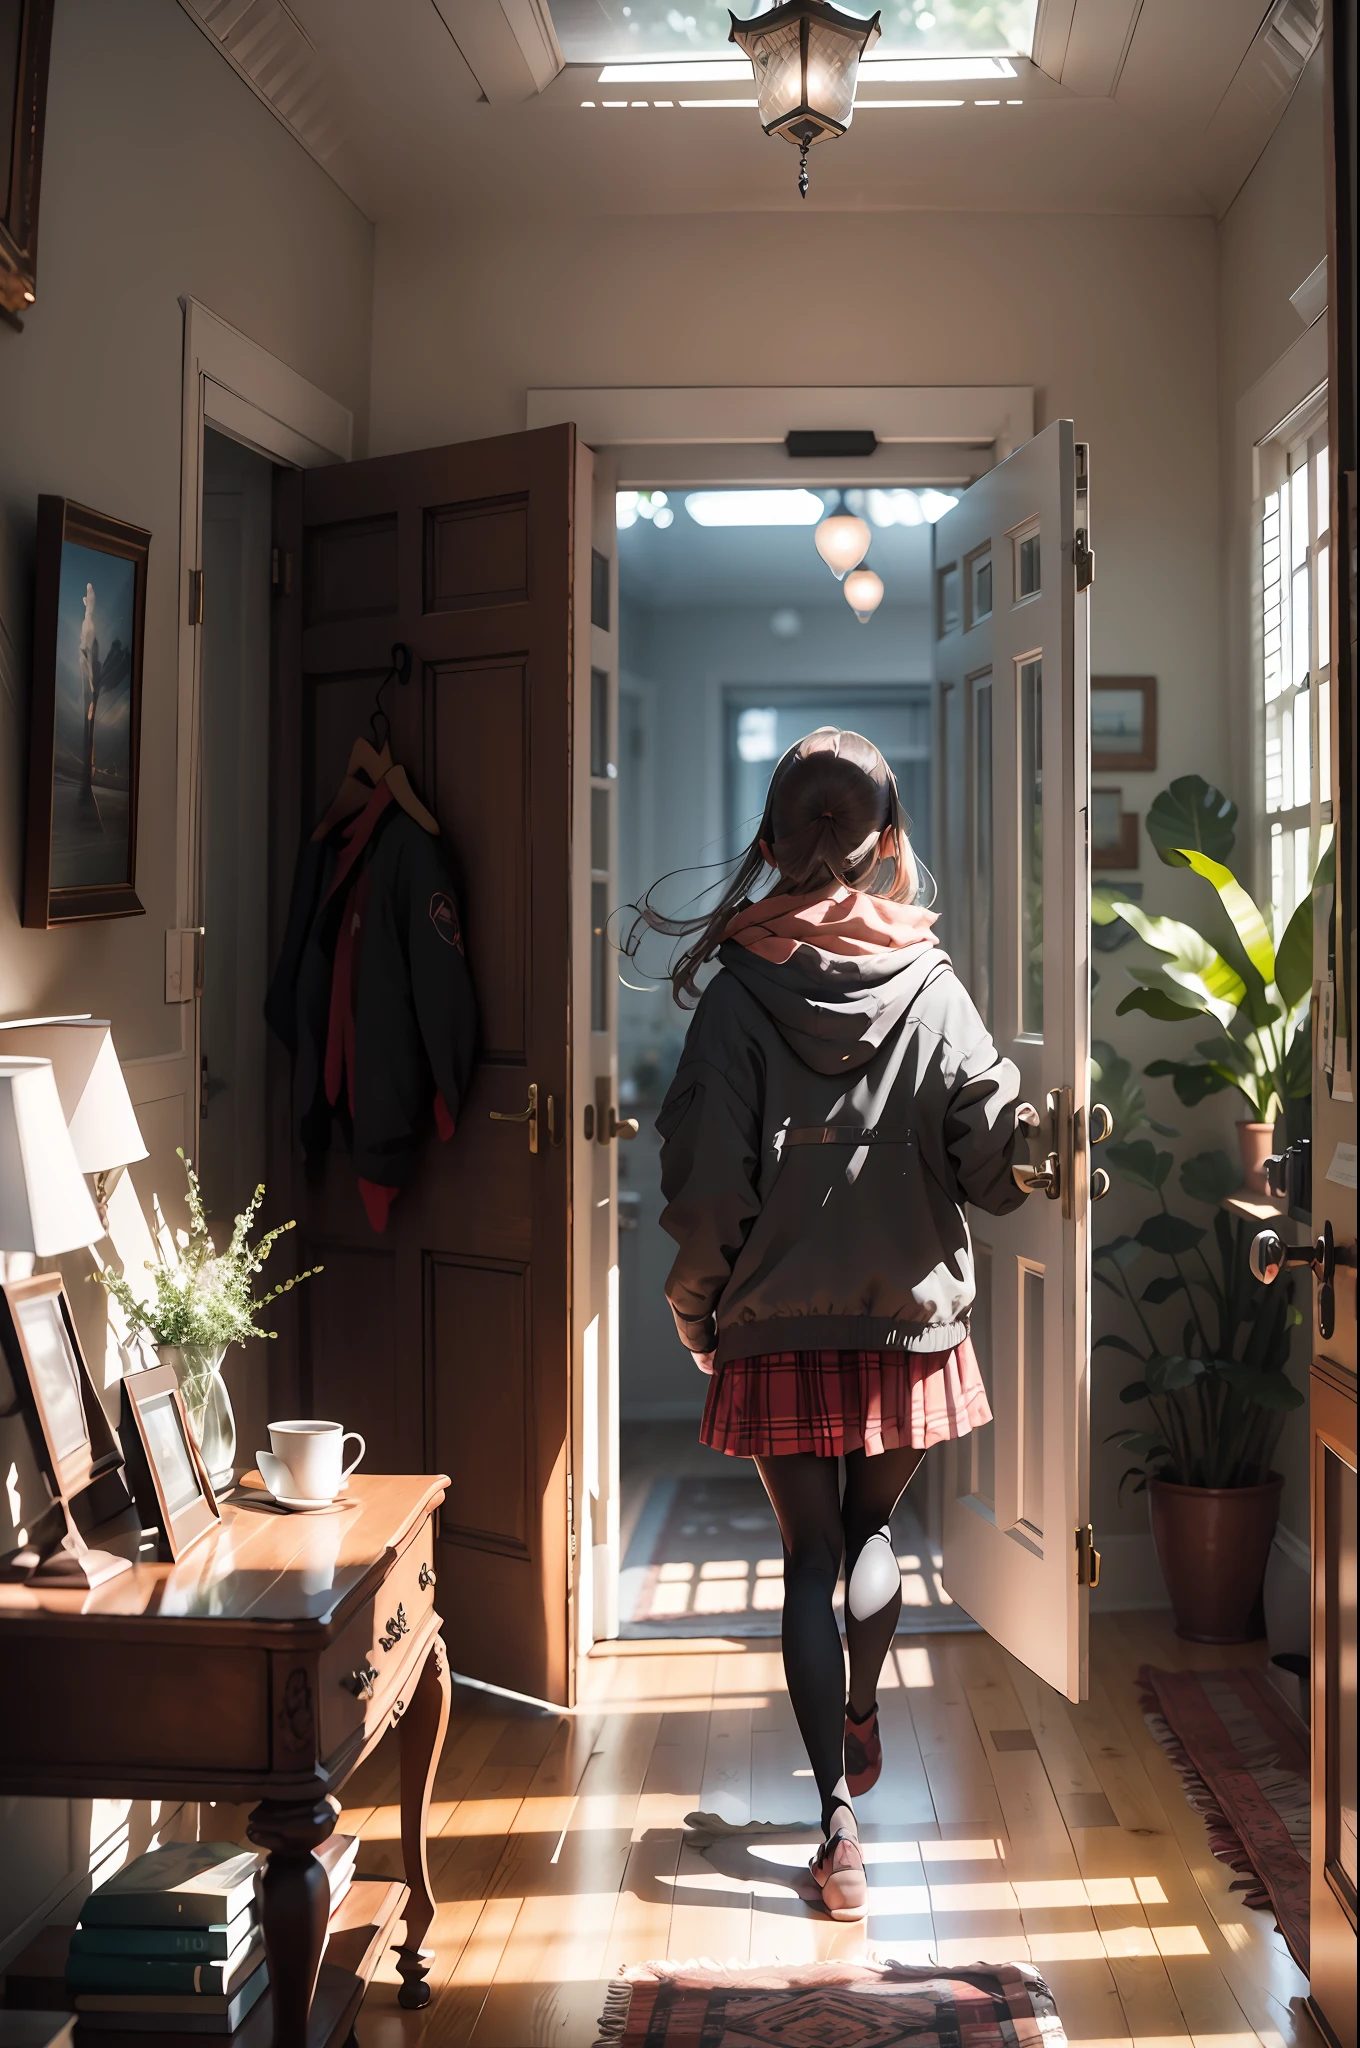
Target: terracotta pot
x=1256 y=1142
x=1212 y=1545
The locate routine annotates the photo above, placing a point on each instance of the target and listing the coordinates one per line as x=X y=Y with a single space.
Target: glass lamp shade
x=863 y=594
x=94 y=1097
x=45 y=1206
x=805 y=55
x=842 y=542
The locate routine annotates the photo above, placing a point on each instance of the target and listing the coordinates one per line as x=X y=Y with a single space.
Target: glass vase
x=198 y=1373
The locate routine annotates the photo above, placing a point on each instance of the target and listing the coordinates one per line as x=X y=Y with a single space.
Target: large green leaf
x=1191 y=813
x=1157 y=1003
x=1210 y=1177
x=1140 y=1162
x=1194 y=1079
x=1106 y=897
x=1120 y=1251
x=1247 y=919
x=1294 y=955
x=1193 y=960
x=1297 y=1071
x=1111 y=1342
x=1162 y=1288
x=1171 y=1235
x=1166 y=1373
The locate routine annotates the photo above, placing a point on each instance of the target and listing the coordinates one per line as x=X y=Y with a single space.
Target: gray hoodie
x=828 y=1121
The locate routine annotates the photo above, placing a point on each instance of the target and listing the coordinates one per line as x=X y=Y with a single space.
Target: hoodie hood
x=832 y=1012
x=846 y=922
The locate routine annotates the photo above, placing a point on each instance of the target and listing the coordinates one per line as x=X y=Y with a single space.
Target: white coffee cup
x=307 y=1461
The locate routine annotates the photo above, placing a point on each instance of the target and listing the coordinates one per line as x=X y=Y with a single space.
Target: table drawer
x=362 y=1671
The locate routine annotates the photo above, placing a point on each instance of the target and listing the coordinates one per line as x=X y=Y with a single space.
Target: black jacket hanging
x=372 y=995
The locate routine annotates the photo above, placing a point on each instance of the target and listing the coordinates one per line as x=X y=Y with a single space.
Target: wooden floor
x=1007 y=1825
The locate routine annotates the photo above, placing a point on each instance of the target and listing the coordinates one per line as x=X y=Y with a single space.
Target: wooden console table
x=264 y=1666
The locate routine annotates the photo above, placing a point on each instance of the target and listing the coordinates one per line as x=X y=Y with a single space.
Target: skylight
x=615 y=31
x=907 y=507
x=754 y=508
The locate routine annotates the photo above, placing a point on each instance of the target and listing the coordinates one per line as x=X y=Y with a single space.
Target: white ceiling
x=431 y=109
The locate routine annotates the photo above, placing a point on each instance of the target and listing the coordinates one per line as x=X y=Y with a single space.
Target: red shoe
x=863 y=1754
x=838 y=1868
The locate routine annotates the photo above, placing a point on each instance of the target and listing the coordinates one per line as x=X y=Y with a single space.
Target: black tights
x=819 y=1527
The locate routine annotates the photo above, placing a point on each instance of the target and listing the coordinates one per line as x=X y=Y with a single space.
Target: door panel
x=1011 y=659
x=446 y=1340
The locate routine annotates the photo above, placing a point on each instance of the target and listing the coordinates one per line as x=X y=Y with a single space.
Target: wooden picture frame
x=167 y=1476
x=1123 y=724
x=1114 y=831
x=89 y=632
x=71 y=1434
x=27 y=28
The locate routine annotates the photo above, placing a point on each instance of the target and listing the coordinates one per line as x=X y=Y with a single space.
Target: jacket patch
x=444 y=918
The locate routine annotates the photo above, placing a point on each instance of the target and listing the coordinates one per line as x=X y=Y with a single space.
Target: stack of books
x=173 y=1943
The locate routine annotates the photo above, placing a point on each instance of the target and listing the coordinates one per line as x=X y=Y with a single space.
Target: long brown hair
x=832 y=798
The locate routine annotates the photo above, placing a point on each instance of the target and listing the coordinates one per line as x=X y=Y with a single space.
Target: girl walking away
x=837 y=1103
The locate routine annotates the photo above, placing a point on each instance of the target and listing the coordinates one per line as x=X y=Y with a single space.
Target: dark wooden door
x=446 y=1340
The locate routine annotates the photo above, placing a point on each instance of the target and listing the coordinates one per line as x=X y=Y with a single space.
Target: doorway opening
x=233 y=854
x=734 y=639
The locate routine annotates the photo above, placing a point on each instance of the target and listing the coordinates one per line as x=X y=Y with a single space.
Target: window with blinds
x=1295 y=655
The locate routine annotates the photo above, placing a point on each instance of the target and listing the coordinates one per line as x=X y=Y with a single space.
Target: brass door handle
x=1040 y=1180
x=602 y=1120
x=1102 y=1123
x=621 y=1127
x=521 y=1116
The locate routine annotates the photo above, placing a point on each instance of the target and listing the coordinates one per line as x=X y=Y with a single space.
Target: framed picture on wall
x=25 y=44
x=85 y=727
x=1123 y=723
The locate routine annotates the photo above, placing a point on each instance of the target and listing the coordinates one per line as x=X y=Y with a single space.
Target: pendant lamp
x=842 y=542
x=863 y=594
x=805 y=55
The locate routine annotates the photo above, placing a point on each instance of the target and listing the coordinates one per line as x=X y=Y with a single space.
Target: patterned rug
x=1243 y=1757
x=829 y=2005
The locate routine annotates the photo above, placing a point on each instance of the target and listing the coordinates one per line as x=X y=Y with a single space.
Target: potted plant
x=1212 y=1352
x=1254 y=992
x=202 y=1304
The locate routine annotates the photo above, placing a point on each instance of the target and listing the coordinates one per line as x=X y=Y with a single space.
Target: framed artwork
x=168 y=1481
x=1123 y=723
x=1114 y=831
x=25 y=45
x=71 y=1434
x=85 y=727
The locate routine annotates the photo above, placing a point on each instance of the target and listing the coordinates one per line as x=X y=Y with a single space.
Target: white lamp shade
x=864 y=594
x=45 y=1206
x=842 y=542
x=94 y=1097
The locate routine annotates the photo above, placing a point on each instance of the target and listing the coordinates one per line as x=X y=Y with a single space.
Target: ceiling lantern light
x=863 y=594
x=842 y=542
x=805 y=55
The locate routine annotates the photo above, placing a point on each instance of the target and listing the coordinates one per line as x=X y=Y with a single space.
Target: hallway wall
x=163 y=177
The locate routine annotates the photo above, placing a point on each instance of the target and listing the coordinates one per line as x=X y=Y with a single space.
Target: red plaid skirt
x=830 y=1402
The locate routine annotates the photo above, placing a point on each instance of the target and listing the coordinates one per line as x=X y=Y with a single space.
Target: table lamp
x=94 y=1097
x=45 y=1209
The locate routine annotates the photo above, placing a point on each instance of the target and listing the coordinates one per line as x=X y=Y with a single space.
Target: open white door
x=1012 y=563
x=595 y=1279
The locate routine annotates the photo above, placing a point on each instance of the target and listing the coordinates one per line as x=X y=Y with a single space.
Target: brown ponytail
x=831 y=800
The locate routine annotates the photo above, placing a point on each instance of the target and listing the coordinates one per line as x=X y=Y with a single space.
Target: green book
x=158 y=1974
x=197 y=1884
x=214 y=1943
x=170 y=2013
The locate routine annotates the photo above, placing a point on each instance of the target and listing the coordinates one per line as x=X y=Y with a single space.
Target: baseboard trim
x=1130 y=1576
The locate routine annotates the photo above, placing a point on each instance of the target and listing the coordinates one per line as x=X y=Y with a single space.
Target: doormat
x=706 y=1559
x=829 y=2005
x=1243 y=1758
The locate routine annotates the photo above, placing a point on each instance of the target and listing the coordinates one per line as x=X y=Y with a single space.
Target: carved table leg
x=422 y=1738
x=295 y=1905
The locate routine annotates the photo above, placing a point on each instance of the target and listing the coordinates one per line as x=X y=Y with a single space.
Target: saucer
x=297 y=1506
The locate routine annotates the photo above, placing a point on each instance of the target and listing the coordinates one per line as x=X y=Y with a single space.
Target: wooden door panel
x=447 y=1339
x=481 y=715
x=477 y=555
x=350 y=570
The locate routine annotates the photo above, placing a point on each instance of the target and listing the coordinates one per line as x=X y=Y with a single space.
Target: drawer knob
x=426 y=1577
x=360 y=1682
x=397 y=1627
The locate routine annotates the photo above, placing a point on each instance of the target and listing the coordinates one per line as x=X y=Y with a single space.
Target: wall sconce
x=805 y=56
